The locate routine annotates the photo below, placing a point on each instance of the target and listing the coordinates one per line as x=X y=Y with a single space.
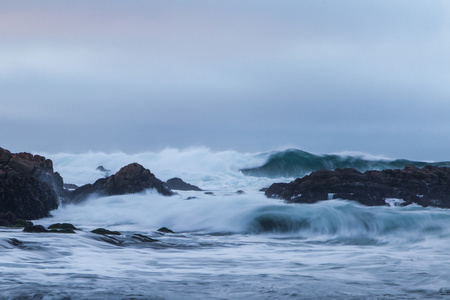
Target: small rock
x=104 y=231
x=35 y=228
x=165 y=230
x=63 y=226
x=179 y=184
x=102 y=169
x=14 y=242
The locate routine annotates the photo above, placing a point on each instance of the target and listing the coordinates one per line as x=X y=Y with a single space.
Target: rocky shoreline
x=30 y=188
x=428 y=186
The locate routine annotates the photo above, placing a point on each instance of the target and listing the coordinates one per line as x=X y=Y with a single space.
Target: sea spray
x=252 y=213
x=200 y=166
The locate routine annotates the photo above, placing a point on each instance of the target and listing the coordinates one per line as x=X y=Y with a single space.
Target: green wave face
x=298 y=163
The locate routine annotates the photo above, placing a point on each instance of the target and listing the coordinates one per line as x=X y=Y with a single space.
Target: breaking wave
x=347 y=221
x=297 y=163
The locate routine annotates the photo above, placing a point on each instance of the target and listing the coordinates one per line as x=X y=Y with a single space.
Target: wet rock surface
x=428 y=186
x=28 y=186
x=130 y=179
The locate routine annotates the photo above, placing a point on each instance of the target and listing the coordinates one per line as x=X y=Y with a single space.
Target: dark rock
x=8 y=218
x=132 y=178
x=104 y=231
x=66 y=230
x=102 y=169
x=27 y=197
x=240 y=192
x=28 y=186
x=263 y=189
x=5 y=223
x=209 y=193
x=35 y=228
x=15 y=242
x=191 y=198
x=143 y=238
x=180 y=185
x=63 y=226
x=165 y=230
x=429 y=186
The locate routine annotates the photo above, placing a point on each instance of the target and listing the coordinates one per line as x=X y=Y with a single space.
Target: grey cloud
x=326 y=76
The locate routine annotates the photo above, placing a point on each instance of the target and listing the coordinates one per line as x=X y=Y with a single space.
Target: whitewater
x=229 y=241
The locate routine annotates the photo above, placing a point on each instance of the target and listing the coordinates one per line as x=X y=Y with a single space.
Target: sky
x=141 y=75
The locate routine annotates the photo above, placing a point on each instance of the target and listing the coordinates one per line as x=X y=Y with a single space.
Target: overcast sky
x=322 y=76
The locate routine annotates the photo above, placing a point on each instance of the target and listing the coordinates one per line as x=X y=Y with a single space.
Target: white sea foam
x=226 y=245
x=200 y=166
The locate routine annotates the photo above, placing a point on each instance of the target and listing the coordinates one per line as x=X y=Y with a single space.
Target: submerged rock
x=132 y=178
x=104 y=231
x=143 y=238
x=429 y=186
x=15 y=242
x=180 y=185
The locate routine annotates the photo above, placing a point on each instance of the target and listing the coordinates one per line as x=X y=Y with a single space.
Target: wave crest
x=297 y=163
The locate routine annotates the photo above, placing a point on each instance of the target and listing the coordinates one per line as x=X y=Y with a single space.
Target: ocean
x=231 y=242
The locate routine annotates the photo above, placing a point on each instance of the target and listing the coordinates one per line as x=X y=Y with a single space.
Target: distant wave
x=297 y=163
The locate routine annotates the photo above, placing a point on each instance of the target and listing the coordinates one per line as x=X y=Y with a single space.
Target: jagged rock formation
x=429 y=186
x=28 y=186
x=178 y=184
x=132 y=178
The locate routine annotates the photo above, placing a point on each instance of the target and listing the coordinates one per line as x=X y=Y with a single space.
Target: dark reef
x=428 y=186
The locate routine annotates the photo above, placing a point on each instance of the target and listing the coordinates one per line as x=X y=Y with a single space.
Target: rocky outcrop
x=429 y=186
x=178 y=184
x=28 y=186
x=132 y=178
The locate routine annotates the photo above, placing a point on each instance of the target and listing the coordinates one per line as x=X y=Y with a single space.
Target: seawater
x=226 y=245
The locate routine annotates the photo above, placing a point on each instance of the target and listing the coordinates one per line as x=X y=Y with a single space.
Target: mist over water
x=226 y=245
